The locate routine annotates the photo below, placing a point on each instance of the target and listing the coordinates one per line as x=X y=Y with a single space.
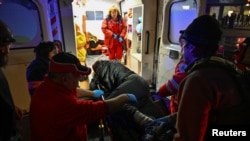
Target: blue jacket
x=36 y=72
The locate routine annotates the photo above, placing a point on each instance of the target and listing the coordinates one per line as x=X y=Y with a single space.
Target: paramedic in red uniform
x=114 y=28
x=171 y=86
x=55 y=112
x=39 y=67
x=240 y=54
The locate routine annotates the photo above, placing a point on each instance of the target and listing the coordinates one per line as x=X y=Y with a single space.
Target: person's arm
x=124 y=29
x=19 y=112
x=106 y=31
x=35 y=75
x=87 y=40
x=94 y=81
x=115 y=103
x=82 y=93
x=172 y=85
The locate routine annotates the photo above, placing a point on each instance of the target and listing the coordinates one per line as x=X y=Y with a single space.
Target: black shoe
x=153 y=130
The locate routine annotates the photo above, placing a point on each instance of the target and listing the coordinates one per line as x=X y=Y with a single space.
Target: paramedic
x=55 y=111
x=114 y=28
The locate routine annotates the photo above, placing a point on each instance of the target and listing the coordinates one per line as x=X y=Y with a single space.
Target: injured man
x=114 y=78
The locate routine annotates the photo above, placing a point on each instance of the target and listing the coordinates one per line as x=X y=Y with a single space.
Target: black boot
x=139 y=118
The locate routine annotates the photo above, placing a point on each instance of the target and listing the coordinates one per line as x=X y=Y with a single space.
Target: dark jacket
x=109 y=74
x=115 y=79
x=206 y=97
x=36 y=72
x=7 y=110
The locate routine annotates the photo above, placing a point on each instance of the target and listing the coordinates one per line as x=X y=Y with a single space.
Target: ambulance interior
x=153 y=53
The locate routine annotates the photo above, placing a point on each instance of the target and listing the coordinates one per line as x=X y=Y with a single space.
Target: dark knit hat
x=203 y=31
x=44 y=48
x=67 y=63
x=5 y=34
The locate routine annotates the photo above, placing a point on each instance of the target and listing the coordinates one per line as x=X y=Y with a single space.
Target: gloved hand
x=182 y=67
x=155 y=95
x=98 y=93
x=114 y=36
x=120 y=39
x=132 y=98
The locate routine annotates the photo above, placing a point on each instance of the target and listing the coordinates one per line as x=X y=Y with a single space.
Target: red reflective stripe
x=53 y=20
x=54 y=31
x=34 y=84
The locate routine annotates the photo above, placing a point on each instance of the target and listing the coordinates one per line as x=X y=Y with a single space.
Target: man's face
x=71 y=81
x=187 y=55
x=4 y=50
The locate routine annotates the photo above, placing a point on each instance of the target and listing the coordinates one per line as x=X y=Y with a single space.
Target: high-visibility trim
x=34 y=84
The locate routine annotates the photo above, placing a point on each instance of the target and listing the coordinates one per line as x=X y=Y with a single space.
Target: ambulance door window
x=23 y=19
x=181 y=14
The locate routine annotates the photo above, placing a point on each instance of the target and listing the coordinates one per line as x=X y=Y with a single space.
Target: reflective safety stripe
x=174 y=83
x=34 y=84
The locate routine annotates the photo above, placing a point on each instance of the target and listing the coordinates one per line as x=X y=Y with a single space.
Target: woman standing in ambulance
x=114 y=28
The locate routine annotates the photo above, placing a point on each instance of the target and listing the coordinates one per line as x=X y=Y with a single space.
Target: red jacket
x=57 y=115
x=108 y=29
x=171 y=86
x=239 y=56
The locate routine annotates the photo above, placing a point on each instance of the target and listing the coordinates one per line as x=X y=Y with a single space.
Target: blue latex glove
x=114 y=36
x=120 y=39
x=98 y=93
x=132 y=98
x=156 y=96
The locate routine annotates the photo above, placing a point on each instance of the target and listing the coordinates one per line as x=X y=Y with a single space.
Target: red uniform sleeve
x=172 y=85
x=105 y=29
x=124 y=28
